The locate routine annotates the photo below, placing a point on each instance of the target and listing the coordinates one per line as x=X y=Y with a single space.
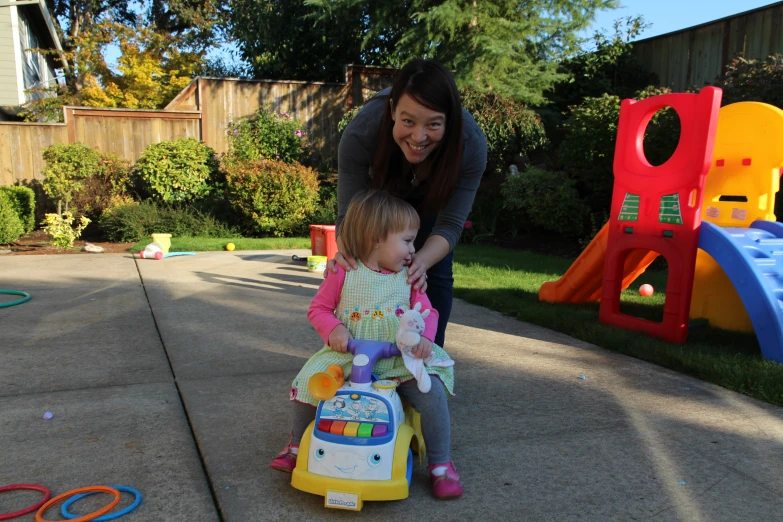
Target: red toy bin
x=323 y=240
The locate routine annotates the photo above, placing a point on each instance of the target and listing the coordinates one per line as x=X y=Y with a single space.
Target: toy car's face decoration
x=347 y=464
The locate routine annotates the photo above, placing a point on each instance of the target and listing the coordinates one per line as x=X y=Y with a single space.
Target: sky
x=672 y=15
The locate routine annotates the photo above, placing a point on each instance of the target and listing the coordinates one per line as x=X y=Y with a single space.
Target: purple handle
x=374 y=350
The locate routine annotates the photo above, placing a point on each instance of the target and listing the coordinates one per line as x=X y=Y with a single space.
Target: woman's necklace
x=415 y=181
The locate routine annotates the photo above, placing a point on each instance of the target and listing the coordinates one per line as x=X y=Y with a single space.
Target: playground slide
x=752 y=258
x=582 y=282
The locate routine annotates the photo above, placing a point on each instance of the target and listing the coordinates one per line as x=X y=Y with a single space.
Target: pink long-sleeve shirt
x=321 y=312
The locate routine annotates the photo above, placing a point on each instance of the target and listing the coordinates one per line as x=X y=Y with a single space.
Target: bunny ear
x=425 y=313
x=417 y=307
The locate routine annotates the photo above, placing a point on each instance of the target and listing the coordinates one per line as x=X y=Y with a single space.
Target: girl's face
x=417 y=130
x=396 y=251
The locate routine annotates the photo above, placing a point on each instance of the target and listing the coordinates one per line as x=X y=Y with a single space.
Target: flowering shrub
x=273 y=197
x=178 y=170
x=266 y=135
x=60 y=228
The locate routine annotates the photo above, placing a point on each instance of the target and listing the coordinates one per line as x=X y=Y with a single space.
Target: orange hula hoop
x=86 y=518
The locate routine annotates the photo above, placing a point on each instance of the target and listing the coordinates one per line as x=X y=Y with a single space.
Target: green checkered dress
x=370 y=307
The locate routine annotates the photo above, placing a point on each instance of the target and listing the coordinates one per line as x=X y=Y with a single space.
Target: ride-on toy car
x=359 y=445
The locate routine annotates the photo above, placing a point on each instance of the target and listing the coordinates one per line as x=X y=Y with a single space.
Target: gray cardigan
x=354 y=162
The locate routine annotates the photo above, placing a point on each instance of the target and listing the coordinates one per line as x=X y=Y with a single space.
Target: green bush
x=111 y=180
x=136 y=221
x=67 y=166
x=273 y=197
x=513 y=131
x=11 y=227
x=266 y=135
x=22 y=200
x=753 y=80
x=326 y=212
x=546 y=201
x=587 y=151
x=179 y=170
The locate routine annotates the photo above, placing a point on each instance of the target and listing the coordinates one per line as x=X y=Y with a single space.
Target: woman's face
x=417 y=130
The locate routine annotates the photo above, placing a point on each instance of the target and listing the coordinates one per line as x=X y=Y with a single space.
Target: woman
x=416 y=141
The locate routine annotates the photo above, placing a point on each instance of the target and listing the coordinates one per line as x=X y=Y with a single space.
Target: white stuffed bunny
x=408 y=336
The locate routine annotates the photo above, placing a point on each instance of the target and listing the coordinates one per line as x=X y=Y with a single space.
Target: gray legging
x=435 y=420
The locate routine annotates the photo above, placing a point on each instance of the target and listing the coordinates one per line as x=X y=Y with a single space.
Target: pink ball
x=646 y=290
x=158 y=255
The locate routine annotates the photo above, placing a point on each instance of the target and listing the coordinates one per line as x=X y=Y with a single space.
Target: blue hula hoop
x=111 y=516
x=25 y=297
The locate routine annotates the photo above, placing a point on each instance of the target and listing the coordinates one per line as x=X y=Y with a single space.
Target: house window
x=34 y=67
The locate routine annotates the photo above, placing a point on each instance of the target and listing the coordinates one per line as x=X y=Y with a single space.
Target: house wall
x=9 y=88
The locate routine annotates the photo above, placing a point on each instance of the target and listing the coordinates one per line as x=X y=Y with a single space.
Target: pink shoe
x=286 y=459
x=445 y=485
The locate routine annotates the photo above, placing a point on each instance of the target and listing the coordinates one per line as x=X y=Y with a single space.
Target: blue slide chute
x=752 y=258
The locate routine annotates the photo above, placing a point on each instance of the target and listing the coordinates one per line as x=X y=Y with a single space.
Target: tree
x=508 y=47
x=151 y=69
x=287 y=39
x=162 y=45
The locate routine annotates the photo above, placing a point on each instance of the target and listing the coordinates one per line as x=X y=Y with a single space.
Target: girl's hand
x=347 y=262
x=338 y=339
x=423 y=349
x=417 y=274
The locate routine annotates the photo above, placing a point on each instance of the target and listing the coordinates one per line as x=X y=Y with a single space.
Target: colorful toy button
x=351 y=429
x=385 y=384
x=337 y=427
x=365 y=430
x=325 y=425
x=379 y=430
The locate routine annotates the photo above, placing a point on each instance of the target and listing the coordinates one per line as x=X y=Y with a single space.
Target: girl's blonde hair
x=372 y=215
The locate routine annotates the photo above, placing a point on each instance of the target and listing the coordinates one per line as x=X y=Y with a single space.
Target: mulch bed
x=37 y=243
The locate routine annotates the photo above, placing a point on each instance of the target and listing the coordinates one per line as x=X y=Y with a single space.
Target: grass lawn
x=211 y=244
x=508 y=281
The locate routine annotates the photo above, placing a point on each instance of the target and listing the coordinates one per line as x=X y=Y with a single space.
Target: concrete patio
x=172 y=377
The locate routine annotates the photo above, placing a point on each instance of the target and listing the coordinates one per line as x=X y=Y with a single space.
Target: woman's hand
x=423 y=349
x=339 y=337
x=417 y=274
x=347 y=262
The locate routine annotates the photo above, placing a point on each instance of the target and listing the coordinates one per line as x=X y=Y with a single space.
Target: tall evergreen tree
x=284 y=39
x=508 y=47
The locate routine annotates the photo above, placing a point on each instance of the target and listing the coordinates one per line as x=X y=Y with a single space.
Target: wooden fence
x=202 y=110
x=698 y=55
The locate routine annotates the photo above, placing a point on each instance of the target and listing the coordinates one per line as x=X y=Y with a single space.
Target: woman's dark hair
x=432 y=85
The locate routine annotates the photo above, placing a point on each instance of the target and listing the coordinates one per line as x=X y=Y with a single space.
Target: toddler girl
x=378 y=230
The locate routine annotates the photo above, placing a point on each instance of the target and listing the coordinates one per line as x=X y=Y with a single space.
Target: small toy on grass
x=230 y=247
x=646 y=290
